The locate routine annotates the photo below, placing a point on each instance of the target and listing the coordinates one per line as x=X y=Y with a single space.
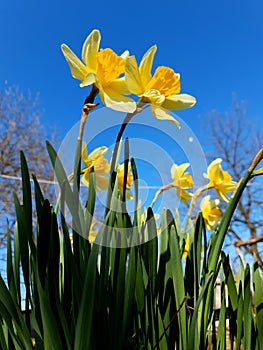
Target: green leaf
x=247 y=309
x=193 y=342
x=178 y=282
x=84 y=327
x=239 y=317
x=231 y=285
x=128 y=303
x=52 y=339
x=221 y=338
x=11 y=313
x=225 y=222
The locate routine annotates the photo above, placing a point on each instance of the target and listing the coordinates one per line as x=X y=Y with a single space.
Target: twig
x=250 y=241
x=171 y=321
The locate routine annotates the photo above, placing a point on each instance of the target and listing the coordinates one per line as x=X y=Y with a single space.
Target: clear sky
x=215 y=45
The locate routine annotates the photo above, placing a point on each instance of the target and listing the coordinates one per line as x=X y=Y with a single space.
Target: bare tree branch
x=20 y=129
x=236 y=141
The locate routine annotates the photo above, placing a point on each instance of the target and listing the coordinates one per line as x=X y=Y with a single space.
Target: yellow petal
x=101 y=166
x=88 y=79
x=132 y=76
x=178 y=170
x=85 y=177
x=84 y=153
x=77 y=68
x=154 y=96
x=119 y=85
x=102 y=182
x=98 y=152
x=146 y=65
x=161 y=113
x=90 y=49
x=186 y=247
x=181 y=101
x=183 y=195
x=117 y=102
x=128 y=195
x=214 y=171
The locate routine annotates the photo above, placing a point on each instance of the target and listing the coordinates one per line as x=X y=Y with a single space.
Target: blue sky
x=216 y=47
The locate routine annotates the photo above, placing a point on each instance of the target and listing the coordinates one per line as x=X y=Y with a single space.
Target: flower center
x=109 y=66
x=165 y=80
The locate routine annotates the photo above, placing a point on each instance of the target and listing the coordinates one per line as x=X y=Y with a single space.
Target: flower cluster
x=219 y=179
x=115 y=77
x=101 y=166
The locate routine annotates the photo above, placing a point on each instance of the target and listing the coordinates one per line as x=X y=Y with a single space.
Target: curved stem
x=161 y=190
x=196 y=195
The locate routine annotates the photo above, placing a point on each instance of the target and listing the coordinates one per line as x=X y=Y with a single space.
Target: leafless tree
x=20 y=129
x=236 y=139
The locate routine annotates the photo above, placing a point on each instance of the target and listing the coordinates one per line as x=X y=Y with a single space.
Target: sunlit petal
x=102 y=182
x=120 y=86
x=177 y=102
x=90 y=49
x=117 y=102
x=77 y=68
x=146 y=65
x=132 y=76
x=183 y=195
x=88 y=80
x=98 y=152
x=154 y=97
x=84 y=153
x=210 y=211
x=162 y=114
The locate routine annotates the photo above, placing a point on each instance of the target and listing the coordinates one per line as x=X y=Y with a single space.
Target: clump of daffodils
x=115 y=77
x=219 y=180
x=96 y=160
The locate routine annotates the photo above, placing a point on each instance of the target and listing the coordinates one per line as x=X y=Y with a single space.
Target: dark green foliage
x=143 y=296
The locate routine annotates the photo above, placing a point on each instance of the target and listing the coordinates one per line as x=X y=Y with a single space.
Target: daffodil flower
x=181 y=181
x=93 y=232
x=220 y=179
x=161 y=90
x=210 y=211
x=103 y=69
x=186 y=247
x=101 y=166
x=120 y=174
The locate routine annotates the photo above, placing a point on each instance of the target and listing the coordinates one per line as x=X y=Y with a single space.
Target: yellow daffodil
x=181 y=181
x=220 y=179
x=92 y=233
x=161 y=90
x=102 y=68
x=120 y=174
x=186 y=247
x=101 y=166
x=210 y=211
